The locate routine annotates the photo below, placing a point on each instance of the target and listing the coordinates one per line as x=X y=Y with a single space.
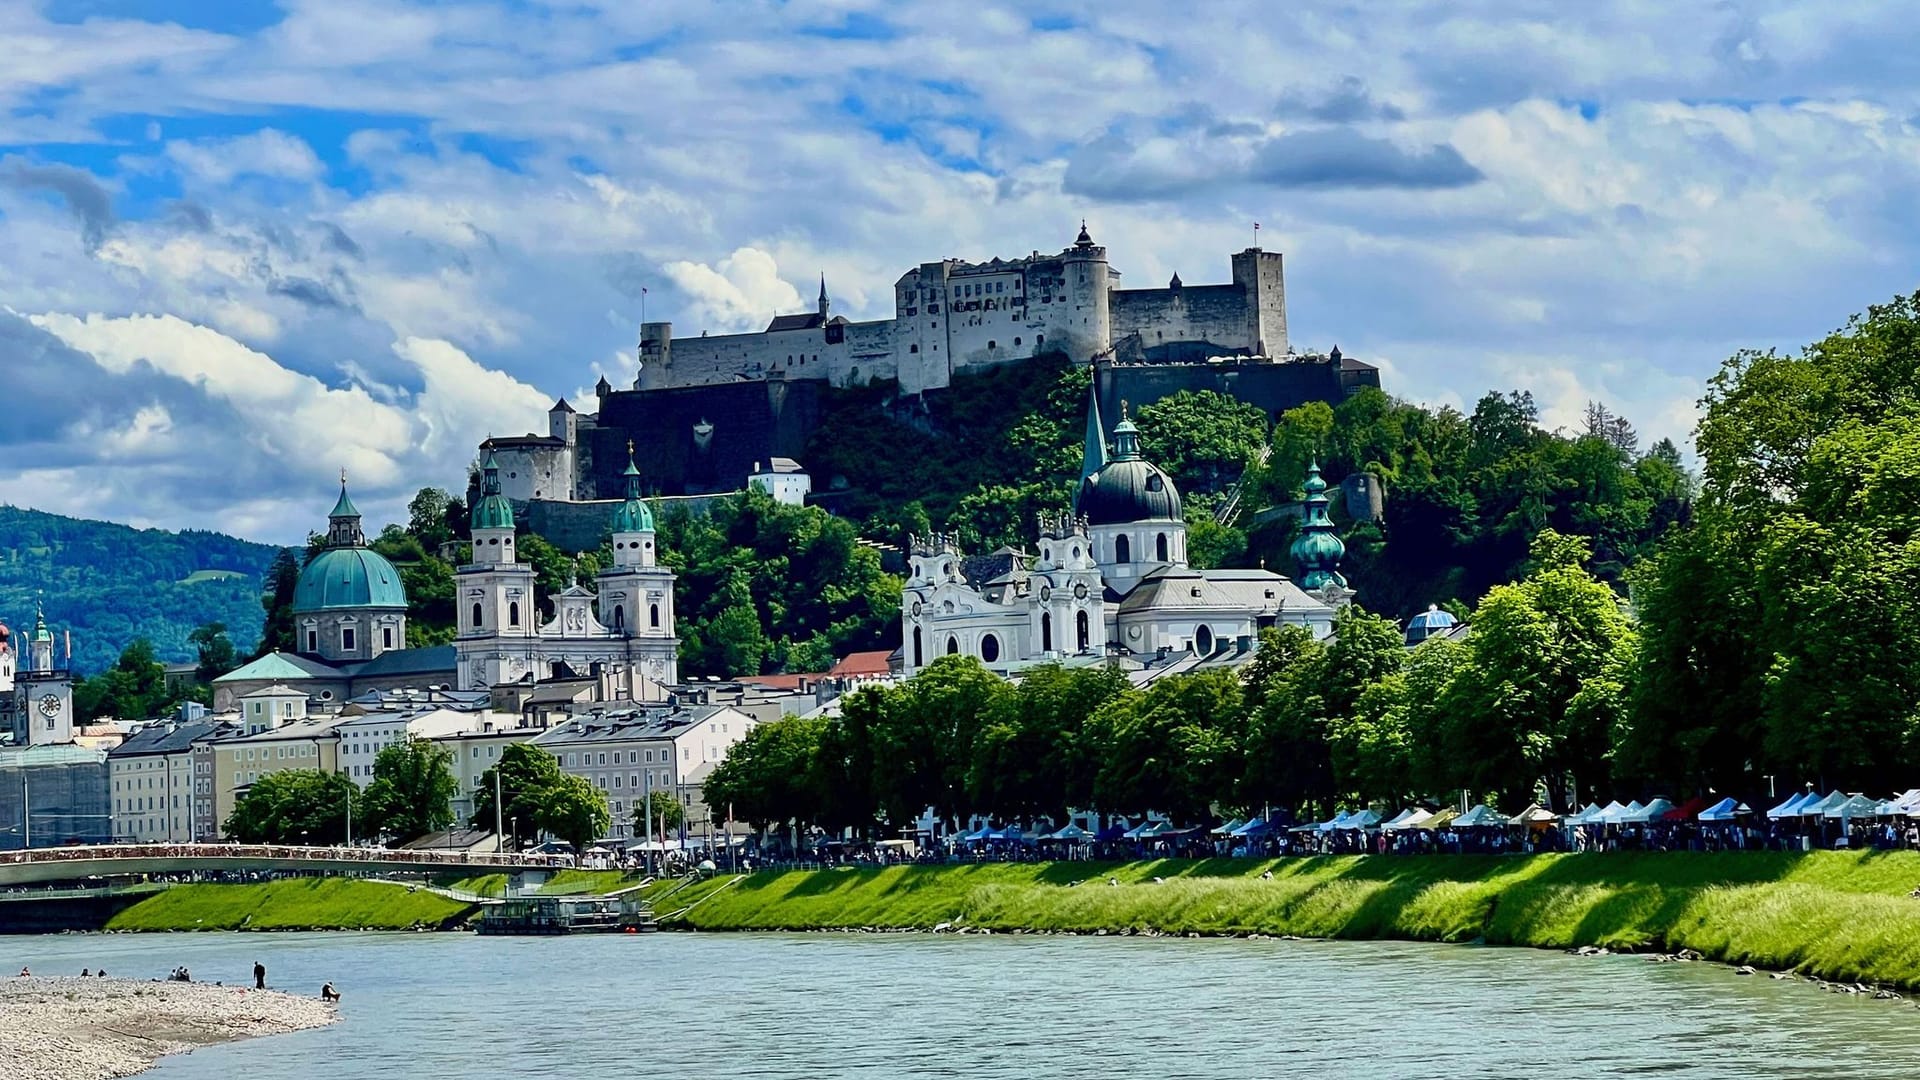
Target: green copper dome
x=493 y=511
x=348 y=577
x=1318 y=550
x=1128 y=488
x=633 y=515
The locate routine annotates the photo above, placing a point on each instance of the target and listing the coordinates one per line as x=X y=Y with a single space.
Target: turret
x=40 y=648
x=1318 y=549
x=823 y=297
x=492 y=518
x=632 y=524
x=343 y=522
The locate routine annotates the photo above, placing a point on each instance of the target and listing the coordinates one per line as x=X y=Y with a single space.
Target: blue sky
x=246 y=245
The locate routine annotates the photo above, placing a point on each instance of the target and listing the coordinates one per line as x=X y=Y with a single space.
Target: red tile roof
x=861 y=664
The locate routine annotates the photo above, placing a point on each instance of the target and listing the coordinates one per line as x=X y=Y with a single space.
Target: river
x=882 y=1006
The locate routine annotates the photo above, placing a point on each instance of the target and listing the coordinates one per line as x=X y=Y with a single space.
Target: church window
x=476 y=615
x=953 y=645
x=313 y=641
x=513 y=613
x=1154 y=483
x=989 y=648
x=653 y=615
x=619 y=617
x=1160 y=547
x=386 y=637
x=1080 y=626
x=1122 y=550
x=917 y=659
x=1203 y=641
x=1046 y=632
x=346 y=638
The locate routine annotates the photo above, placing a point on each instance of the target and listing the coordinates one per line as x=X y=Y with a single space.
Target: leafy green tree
x=1033 y=758
x=412 y=791
x=429 y=518
x=294 y=806
x=767 y=777
x=1203 y=439
x=925 y=738
x=573 y=810
x=667 y=814
x=282 y=579
x=216 y=652
x=134 y=688
x=1286 y=754
x=523 y=777
x=1526 y=712
x=1178 y=747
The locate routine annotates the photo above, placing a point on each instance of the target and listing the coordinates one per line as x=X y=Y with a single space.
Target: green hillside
x=111 y=583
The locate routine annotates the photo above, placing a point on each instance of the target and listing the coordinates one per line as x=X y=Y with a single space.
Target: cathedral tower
x=636 y=592
x=495 y=590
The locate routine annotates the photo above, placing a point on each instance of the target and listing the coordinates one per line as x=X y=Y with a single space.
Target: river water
x=883 y=1006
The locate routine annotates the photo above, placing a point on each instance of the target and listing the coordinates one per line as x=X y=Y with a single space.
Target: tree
x=1176 y=748
x=667 y=814
x=925 y=738
x=294 y=806
x=134 y=688
x=525 y=777
x=282 y=579
x=216 y=652
x=1034 y=757
x=573 y=810
x=412 y=790
x=1529 y=710
x=1203 y=439
x=428 y=518
x=766 y=778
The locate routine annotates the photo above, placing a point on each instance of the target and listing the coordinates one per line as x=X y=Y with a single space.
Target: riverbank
x=1831 y=915
x=92 y=1028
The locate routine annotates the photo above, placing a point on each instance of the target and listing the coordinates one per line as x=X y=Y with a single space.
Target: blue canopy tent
x=1361 y=819
x=1582 y=817
x=1651 y=812
x=1111 y=833
x=1226 y=828
x=1480 y=817
x=1727 y=809
x=1407 y=818
x=1791 y=808
x=1071 y=834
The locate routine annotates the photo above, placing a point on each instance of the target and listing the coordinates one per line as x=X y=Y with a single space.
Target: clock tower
x=42 y=695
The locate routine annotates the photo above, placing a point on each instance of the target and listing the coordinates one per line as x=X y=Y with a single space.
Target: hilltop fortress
x=953 y=316
x=711 y=413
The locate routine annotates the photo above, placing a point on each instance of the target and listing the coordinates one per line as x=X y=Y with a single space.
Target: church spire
x=1318 y=549
x=1093 y=453
x=343 y=521
x=823 y=294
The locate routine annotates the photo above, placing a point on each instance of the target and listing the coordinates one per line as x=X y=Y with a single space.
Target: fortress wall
x=1275 y=388
x=1216 y=314
x=867 y=354
x=751 y=422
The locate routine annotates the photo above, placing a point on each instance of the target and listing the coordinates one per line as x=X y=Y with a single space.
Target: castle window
x=476 y=616
x=1039 y=339
x=1046 y=632
x=953 y=645
x=993 y=344
x=513 y=613
x=653 y=615
x=989 y=648
x=1160 y=547
x=913 y=348
x=1016 y=343
x=1122 y=550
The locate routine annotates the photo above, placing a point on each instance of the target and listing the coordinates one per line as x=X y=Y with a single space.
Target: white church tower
x=636 y=592
x=42 y=693
x=496 y=607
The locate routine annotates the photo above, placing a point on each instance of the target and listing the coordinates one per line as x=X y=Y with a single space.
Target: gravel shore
x=92 y=1029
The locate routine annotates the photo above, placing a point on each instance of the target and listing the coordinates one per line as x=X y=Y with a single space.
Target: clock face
x=50 y=705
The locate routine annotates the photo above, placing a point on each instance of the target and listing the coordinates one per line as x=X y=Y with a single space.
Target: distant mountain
x=110 y=583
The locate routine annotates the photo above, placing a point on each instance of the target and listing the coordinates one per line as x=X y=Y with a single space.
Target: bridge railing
x=287 y=853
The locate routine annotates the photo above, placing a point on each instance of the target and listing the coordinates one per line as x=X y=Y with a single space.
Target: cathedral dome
x=348 y=577
x=1128 y=488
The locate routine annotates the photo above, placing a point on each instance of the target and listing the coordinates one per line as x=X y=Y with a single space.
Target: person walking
x=259 y=975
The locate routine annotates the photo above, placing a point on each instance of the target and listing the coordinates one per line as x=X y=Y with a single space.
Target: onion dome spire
x=633 y=515
x=493 y=511
x=343 y=521
x=1318 y=549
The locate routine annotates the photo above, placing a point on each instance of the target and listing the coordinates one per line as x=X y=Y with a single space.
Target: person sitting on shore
x=86 y=973
x=101 y=974
x=25 y=974
x=329 y=995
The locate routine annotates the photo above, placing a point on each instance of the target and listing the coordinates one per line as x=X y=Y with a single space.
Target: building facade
x=1111 y=579
x=156 y=783
x=625 y=628
x=629 y=753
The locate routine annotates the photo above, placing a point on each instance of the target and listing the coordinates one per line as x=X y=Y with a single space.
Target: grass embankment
x=1836 y=915
x=291 y=904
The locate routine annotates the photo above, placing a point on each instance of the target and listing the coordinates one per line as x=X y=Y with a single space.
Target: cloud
x=1344 y=158
x=267 y=153
x=740 y=292
x=85 y=197
x=1347 y=101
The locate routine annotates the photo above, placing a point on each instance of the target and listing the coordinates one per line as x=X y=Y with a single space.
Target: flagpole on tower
x=1256 y=236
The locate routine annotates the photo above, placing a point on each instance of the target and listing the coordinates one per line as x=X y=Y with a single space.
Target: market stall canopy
x=1583 y=817
x=1226 y=828
x=1855 y=806
x=1480 y=817
x=1440 y=819
x=1409 y=818
x=1534 y=814
x=1907 y=802
x=1611 y=813
x=1651 y=812
x=1791 y=808
x=1820 y=807
x=1071 y=833
x=1111 y=833
x=1726 y=809
x=1273 y=823
x=1688 y=810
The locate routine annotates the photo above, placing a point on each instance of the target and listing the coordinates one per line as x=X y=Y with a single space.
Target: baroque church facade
x=1111 y=578
x=624 y=627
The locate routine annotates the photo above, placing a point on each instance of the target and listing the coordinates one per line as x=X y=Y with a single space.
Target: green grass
x=295 y=903
x=1833 y=914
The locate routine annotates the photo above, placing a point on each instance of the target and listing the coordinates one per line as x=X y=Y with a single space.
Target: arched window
x=1080 y=625
x=1203 y=641
x=918 y=660
x=989 y=648
x=953 y=645
x=619 y=617
x=476 y=616
x=1160 y=547
x=1046 y=632
x=1122 y=550
x=513 y=613
x=653 y=615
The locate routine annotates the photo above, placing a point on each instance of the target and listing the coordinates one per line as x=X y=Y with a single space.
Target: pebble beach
x=72 y=1028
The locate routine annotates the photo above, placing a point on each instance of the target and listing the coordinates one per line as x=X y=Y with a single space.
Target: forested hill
x=110 y=584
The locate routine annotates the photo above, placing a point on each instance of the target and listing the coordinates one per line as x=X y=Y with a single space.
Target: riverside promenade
x=44 y=865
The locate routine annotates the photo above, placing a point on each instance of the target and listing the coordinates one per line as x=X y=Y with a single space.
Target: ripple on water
x=808 y=1006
